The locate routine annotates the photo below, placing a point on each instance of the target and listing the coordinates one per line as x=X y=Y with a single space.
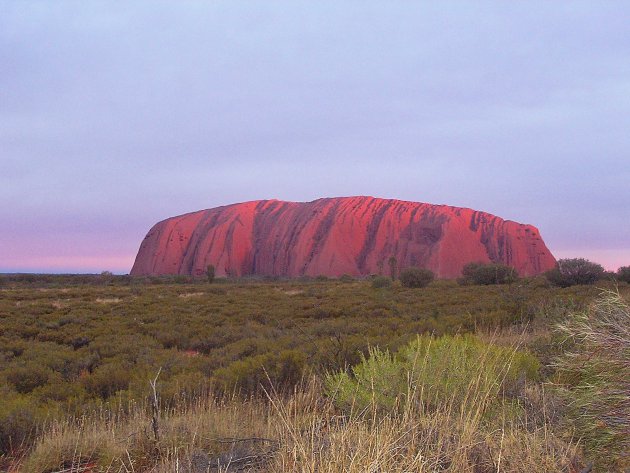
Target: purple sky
x=114 y=115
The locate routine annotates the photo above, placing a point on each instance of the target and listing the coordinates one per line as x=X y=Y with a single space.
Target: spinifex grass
x=595 y=372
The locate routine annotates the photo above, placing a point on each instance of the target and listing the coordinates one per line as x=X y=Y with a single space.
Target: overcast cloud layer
x=114 y=115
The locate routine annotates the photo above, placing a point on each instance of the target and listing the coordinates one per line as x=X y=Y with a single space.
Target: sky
x=115 y=115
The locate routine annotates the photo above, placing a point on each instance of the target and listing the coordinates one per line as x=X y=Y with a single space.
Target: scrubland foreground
x=312 y=376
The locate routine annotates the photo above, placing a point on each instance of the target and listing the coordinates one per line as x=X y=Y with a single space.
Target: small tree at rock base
x=575 y=271
x=393 y=267
x=416 y=277
x=623 y=274
x=210 y=273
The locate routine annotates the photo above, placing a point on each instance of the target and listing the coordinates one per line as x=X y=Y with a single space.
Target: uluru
x=335 y=236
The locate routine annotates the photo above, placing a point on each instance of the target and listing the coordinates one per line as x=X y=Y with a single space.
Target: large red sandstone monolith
x=335 y=236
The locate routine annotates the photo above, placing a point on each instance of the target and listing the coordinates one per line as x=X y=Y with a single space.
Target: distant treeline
x=568 y=272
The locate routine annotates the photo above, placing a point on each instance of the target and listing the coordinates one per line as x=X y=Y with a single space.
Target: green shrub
x=277 y=370
x=60 y=391
x=416 y=277
x=27 y=377
x=182 y=279
x=378 y=379
x=107 y=380
x=595 y=375
x=19 y=418
x=572 y=272
x=445 y=372
x=487 y=274
x=380 y=282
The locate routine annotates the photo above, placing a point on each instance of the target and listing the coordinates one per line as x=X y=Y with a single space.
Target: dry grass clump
x=301 y=433
x=306 y=431
x=125 y=442
x=419 y=442
x=595 y=374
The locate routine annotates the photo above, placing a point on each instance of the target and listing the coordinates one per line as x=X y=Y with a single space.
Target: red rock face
x=346 y=235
